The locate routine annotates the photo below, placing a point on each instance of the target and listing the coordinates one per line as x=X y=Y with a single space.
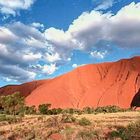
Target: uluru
x=93 y=85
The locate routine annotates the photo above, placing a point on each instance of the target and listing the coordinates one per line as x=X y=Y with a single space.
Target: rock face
x=24 y=89
x=93 y=85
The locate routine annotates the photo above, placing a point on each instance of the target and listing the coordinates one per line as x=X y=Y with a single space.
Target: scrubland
x=102 y=126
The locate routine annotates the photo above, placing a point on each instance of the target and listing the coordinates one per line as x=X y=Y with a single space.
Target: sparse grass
x=68 y=118
x=87 y=134
x=112 y=119
x=10 y=119
x=91 y=126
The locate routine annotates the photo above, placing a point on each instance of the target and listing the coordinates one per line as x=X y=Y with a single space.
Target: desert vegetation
x=21 y=122
x=131 y=132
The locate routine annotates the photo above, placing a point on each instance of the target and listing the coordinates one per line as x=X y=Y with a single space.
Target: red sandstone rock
x=93 y=85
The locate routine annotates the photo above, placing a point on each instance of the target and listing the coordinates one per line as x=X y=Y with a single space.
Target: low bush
x=119 y=133
x=88 y=110
x=108 y=109
x=84 y=121
x=43 y=108
x=72 y=111
x=131 y=132
x=30 y=110
x=3 y=118
x=54 y=111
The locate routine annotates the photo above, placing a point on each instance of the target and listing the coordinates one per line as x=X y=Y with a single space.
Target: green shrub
x=30 y=110
x=108 y=109
x=104 y=109
x=43 y=108
x=2 y=118
x=88 y=110
x=71 y=111
x=54 y=111
x=84 y=121
x=131 y=132
x=12 y=104
x=120 y=133
x=59 y=110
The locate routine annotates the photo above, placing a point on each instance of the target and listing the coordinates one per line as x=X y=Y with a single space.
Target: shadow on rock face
x=136 y=100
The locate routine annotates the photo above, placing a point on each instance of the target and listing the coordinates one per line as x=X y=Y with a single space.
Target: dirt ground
x=44 y=127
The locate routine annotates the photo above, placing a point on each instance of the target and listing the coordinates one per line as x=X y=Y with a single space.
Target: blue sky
x=45 y=38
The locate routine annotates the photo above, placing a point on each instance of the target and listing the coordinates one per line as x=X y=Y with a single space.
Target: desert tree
x=44 y=108
x=12 y=104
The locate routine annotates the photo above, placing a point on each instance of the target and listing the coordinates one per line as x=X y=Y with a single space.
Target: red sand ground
x=93 y=85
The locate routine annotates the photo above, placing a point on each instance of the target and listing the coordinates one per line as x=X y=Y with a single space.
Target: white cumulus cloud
x=52 y=57
x=13 y=6
x=18 y=51
x=90 y=28
x=75 y=65
x=37 y=25
x=49 y=69
x=23 y=47
x=103 y=4
x=98 y=54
